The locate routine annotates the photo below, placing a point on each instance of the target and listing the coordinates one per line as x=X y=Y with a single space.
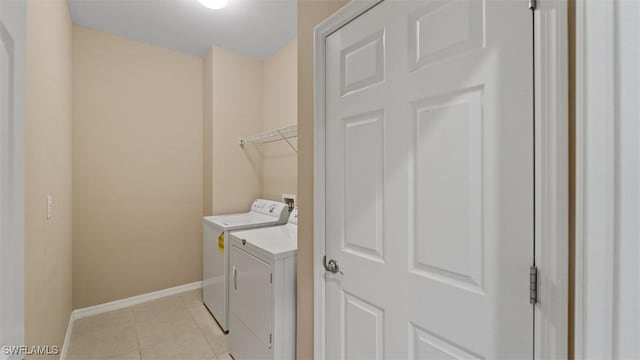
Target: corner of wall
x=207 y=131
x=310 y=14
x=48 y=119
x=280 y=109
x=236 y=111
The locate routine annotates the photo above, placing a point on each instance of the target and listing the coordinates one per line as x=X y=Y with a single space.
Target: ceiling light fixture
x=214 y=4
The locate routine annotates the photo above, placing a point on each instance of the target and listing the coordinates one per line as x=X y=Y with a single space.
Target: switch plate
x=49 y=207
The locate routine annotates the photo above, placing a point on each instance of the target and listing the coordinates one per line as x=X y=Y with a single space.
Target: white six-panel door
x=429 y=181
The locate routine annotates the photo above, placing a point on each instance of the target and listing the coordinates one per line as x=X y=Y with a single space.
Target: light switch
x=49 y=207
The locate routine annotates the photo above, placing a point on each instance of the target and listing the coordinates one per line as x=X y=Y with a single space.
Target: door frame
x=595 y=180
x=606 y=156
x=13 y=15
x=551 y=172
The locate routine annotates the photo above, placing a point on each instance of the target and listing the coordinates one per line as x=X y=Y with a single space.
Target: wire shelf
x=285 y=134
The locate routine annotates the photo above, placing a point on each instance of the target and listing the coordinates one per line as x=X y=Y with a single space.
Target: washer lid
x=242 y=220
x=263 y=213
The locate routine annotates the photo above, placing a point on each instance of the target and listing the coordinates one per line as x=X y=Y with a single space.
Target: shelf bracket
x=288 y=142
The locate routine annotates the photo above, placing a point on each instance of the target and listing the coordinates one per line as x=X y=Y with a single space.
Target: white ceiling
x=255 y=28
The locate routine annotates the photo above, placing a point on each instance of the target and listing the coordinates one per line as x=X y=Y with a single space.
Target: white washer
x=216 y=240
x=263 y=292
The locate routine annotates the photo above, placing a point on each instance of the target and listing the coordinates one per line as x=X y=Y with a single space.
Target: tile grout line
x=200 y=329
x=135 y=325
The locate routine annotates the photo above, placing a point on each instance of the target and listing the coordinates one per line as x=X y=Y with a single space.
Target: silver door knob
x=331 y=266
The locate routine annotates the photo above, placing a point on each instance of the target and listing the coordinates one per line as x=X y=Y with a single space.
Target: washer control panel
x=293 y=218
x=272 y=208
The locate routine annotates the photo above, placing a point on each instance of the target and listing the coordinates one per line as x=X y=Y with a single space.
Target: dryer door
x=250 y=286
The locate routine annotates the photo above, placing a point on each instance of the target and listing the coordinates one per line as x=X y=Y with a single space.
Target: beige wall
x=137 y=168
x=280 y=109
x=310 y=13
x=233 y=105
x=48 y=172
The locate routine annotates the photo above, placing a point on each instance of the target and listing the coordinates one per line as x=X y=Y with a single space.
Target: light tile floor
x=175 y=327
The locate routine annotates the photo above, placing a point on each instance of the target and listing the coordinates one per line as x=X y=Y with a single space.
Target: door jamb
x=596 y=223
x=14 y=18
x=551 y=46
x=551 y=162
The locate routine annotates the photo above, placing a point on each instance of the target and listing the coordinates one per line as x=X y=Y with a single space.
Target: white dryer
x=263 y=292
x=216 y=245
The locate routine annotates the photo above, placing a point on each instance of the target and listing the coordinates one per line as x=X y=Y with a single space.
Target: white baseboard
x=134 y=300
x=120 y=304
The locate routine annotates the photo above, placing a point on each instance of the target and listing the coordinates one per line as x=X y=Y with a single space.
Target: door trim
x=604 y=158
x=551 y=172
x=595 y=180
x=551 y=108
x=14 y=20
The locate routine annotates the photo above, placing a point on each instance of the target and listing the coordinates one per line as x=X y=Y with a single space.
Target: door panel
x=363 y=329
x=447 y=244
x=424 y=345
x=429 y=183
x=363 y=180
x=443 y=29
x=362 y=64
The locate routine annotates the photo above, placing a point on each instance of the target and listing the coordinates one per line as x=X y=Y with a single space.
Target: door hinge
x=533 y=285
x=271 y=278
x=271 y=338
x=532 y=4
